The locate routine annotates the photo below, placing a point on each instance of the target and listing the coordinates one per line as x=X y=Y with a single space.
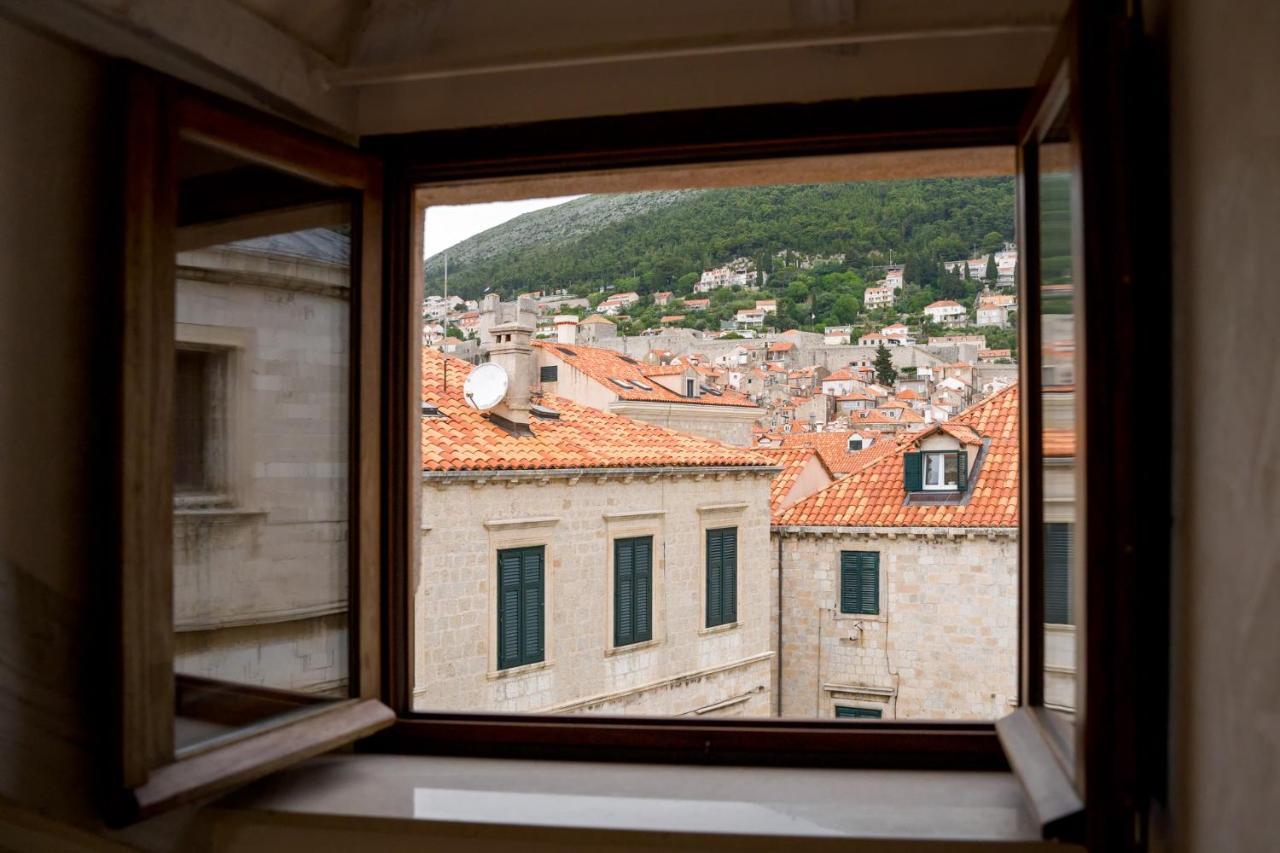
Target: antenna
x=486 y=387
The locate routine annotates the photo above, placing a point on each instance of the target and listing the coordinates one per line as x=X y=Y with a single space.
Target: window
x=855 y=443
x=935 y=471
x=521 y=598
x=549 y=373
x=722 y=576
x=860 y=582
x=1058 y=538
x=632 y=590
x=193 y=415
x=854 y=712
x=690 y=388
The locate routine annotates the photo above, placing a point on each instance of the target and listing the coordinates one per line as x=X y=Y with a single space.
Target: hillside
x=663 y=240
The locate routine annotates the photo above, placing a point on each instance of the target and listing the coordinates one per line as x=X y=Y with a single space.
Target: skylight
x=621 y=383
x=641 y=385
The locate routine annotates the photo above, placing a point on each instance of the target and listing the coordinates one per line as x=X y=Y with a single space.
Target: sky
x=448 y=225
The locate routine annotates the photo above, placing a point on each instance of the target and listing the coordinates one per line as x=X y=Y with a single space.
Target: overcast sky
x=448 y=225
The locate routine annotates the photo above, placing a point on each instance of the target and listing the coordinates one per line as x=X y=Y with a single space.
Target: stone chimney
x=509 y=344
x=566 y=329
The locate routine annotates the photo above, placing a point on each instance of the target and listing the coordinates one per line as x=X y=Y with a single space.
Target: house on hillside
x=946 y=312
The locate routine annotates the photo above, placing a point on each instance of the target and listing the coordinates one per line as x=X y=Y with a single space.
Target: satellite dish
x=486 y=387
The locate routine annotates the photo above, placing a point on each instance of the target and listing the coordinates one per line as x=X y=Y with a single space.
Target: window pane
x=720 y=374
x=1059 y=274
x=260 y=533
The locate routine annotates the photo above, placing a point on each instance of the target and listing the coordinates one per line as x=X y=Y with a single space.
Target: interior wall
x=1226 y=216
x=52 y=113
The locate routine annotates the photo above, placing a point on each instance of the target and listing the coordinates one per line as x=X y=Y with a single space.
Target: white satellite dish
x=486 y=387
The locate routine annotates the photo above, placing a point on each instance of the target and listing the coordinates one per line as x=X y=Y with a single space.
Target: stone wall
x=944 y=645
x=684 y=669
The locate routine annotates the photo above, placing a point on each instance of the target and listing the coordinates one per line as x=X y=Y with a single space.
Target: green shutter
x=531 y=607
x=729 y=576
x=509 y=573
x=962 y=470
x=715 y=566
x=644 y=589
x=860 y=582
x=857 y=713
x=913 y=472
x=624 y=576
x=521 y=603
x=1058 y=546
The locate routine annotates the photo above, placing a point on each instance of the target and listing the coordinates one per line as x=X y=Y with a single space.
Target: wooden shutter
x=913 y=472
x=1057 y=573
x=715 y=566
x=624 y=591
x=729 y=575
x=644 y=588
x=509 y=575
x=857 y=713
x=531 y=606
x=860 y=582
x=962 y=470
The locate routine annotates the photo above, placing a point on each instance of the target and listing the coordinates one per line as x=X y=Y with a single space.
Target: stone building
x=899 y=581
x=260 y=505
x=575 y=560
x=676 y=396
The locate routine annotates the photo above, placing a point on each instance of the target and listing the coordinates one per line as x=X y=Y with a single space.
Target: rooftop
x=875 y=496
x=460 y=438
x=606 y=366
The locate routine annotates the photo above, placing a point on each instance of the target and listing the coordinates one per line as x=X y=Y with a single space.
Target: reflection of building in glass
x=261 y=493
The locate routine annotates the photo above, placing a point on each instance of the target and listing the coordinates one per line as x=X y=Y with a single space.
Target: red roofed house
x=910 y=567
x=557 y=538
x=946 y=312
x=676 y=396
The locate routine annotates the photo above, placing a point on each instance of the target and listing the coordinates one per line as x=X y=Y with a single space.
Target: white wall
x=1226 y=215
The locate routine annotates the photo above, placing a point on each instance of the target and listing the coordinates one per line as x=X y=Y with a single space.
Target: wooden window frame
x=691 y=138
x=149 y=773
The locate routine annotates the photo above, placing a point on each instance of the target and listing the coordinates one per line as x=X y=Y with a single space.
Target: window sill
x=719 y=629
x=516 y=671
x=614 y=651
x=344 y=798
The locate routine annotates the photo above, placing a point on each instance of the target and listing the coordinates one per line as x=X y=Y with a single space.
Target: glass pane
x=1059 y=271
x=774 y=361
x=260 y=528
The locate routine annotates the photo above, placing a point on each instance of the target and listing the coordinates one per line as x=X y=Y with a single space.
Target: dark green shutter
x=521 y=604
x=509 y=572
x=632 y=590
x=857 y=713
x=913 y=472
x=962 y=470
x=1058 y=546
x=860 y=582
x=722 y=576
x=644 y=589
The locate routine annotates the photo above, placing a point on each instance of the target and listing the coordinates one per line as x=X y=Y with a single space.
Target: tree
x=993 y=242
x=993 y=272
x=455 y=332
x=886 y=374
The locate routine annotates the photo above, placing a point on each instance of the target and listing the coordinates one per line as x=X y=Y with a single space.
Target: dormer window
x=690 y=388
x=857 y=443
x=935 y=471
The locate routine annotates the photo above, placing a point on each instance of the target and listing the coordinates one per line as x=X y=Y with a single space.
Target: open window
x=250 y=427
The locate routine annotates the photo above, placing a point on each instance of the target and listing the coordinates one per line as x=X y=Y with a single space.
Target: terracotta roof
x=908 y=394
x=841 y=375
x=943 y=303
x=875 y=496
x=793 y=461
x=605 y=365
x=1059 y=443
x=781 y=346
x=875 y=416
x=833 y=447
x=596 y=318
x=463 y=439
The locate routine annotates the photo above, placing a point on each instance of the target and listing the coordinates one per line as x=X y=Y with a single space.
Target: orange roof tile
x=1059 y=443
x=793 y=460
x=463 y=439
x=875 y=496
x=833 y=447
x=604 y=365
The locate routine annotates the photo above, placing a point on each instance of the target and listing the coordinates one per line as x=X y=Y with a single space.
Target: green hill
x=650 y=241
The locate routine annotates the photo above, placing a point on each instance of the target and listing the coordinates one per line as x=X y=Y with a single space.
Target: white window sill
x=456 y=801
x=718 y=629
x=517 y=671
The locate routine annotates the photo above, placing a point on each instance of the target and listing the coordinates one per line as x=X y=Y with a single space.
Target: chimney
x=509 y=344
x=566 y=329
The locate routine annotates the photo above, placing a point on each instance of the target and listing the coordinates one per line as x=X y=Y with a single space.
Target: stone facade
x=685 y=669
x=260 y=556
x=944 y=644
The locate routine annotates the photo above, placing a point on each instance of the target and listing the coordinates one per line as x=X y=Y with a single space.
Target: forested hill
x=662 y=240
